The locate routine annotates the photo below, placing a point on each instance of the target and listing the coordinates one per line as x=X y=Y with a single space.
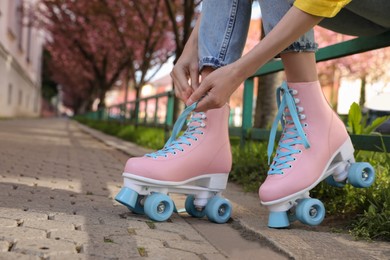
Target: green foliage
x=357 y=123
x=374 y=223
x=368 y=209
x=373 y=220
x=144 y=136
x=249 y=164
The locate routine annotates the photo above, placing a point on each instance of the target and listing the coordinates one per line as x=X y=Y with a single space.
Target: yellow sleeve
x=324 y=8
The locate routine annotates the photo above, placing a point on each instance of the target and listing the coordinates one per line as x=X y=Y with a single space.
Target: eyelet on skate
x=305 y=125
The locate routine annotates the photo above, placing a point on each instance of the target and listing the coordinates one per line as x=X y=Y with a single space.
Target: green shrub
x=148 y=137
x=249 y=164
x=144 y=136
x=368 y=209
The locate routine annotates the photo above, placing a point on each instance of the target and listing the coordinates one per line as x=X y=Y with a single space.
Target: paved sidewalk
x=57 y=185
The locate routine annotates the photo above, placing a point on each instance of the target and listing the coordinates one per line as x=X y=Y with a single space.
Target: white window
x=20 y=97
x=15 y=20
x=9 y=94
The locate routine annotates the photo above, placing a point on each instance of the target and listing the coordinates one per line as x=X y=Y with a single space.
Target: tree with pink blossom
x=366 y=66
x=94 y=44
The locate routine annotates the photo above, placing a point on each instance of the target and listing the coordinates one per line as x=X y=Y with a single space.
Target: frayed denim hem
x=210 y=62
x=301 y=47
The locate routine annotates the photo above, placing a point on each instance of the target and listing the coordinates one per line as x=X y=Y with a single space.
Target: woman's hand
x=216 y=89
x=185 y=73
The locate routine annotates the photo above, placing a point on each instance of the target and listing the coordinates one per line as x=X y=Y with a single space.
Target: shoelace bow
x=293 y=133
x=174 y=144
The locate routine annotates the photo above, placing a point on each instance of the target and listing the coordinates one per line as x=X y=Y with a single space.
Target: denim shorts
x=224 y=26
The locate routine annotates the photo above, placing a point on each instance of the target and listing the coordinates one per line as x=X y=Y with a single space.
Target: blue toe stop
x=278 y=219
x=127 y=197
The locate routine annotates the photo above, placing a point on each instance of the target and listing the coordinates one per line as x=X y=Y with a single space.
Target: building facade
x=20 y=61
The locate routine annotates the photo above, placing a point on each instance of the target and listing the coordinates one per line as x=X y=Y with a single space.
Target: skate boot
x=314 y=146
x=197 y=164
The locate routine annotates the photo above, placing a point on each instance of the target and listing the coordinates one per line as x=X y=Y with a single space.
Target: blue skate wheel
x=310 y=212
x=361 y=175
x=158 y=207
x=278 y=219
x=332 y=182
x=218 y=210
x=127 y=197
x=191 y=209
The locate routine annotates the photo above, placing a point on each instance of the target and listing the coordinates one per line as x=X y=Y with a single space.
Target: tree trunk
x=362 y=99
x=335 y=88
x=126 y=80
x=136 y=108
x=266 y=107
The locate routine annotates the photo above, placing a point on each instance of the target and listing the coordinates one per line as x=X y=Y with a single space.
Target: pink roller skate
x=197 y=164
x=314 y=146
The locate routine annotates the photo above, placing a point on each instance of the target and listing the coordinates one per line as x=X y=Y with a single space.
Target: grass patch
x=108 y=240
x=142 y=251
x=149 y=137
x=367 y=209
x=150 y=224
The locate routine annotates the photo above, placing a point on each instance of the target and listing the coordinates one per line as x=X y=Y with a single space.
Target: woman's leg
x=313 y=135
x=301 y=52
x=223 y=31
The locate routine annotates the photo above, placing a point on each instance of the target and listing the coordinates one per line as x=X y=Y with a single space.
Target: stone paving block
x=48 y=225
x=161 y=235
x=215 y=256
x=158 y=249
x=121 y=247
x=4 y=222
x=17 y=214
x=15 y=234
x=198 y=247
x=116 y=222
x=149 y=243
x=17 y=256
x=4 y=246
x=75 y=236
x=79 y=257
x=182 y=228
x=67 y=218
x=169 y=254
x=44 y=247
x=99 y=232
